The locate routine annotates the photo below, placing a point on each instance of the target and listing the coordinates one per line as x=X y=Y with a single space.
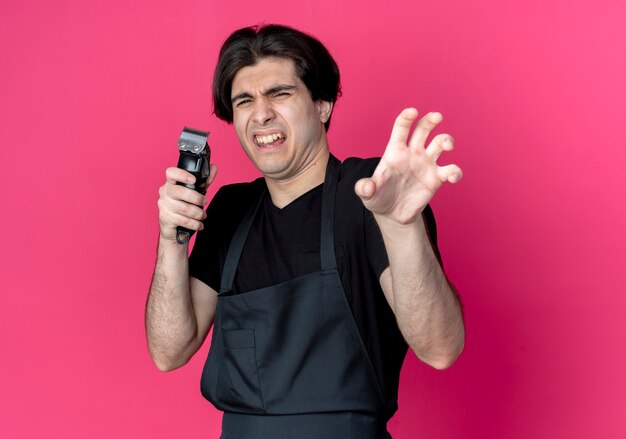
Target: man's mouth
x=268 y=140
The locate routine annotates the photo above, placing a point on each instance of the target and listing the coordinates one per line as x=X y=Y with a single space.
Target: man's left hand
x=408 y=176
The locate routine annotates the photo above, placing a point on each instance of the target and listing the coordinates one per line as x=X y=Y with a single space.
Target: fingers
x=212 y=173
x=174 y=214
x=449 y=173
x=441 y=143
x=423 y=129
x=182 y=193
x=177 y=175
x=402 y=126
x=176 y=191
x=365 y=188
x=180 y=205
x=181 y=201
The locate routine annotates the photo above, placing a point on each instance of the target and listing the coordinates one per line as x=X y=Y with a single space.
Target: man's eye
x=243 y=102
x=282 y=94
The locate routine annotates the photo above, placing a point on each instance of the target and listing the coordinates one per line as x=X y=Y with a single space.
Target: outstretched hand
x=408 y=176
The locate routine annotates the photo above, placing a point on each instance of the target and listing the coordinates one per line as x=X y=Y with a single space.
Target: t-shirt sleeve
x=431 y=228
x=204 y=261
x=376 y=252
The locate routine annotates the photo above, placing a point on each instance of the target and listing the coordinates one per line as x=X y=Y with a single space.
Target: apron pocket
x=238 y=387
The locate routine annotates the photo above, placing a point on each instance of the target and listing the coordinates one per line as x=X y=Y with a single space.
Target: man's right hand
x=180 y=309
x=179 y=205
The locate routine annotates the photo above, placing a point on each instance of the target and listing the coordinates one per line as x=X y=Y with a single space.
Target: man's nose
x=263 y=112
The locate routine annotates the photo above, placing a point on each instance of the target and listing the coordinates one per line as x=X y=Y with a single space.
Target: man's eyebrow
x=243 y=95
x=279 y=88
x=269 y=91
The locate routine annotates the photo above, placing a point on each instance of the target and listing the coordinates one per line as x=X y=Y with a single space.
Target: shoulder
x=238 y=196
x=352 y=170
x=230 y=204
x=249 y=189
x=355 y=168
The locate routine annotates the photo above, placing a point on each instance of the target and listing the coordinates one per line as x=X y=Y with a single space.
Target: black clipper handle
x=196 y=163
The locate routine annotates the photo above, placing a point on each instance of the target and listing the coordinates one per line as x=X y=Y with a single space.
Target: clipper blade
x=193 y=140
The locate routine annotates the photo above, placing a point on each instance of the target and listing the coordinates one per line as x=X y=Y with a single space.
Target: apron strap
x=236 y=247
x=327 y=240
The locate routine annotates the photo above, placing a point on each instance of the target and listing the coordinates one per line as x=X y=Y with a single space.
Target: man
x=325 y=270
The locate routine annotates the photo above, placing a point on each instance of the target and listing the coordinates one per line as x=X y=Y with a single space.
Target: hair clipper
x=194 y=158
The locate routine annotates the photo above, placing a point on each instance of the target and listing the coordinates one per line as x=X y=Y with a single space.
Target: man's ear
x=325 y=109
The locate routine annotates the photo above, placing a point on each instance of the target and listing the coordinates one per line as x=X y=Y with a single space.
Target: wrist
x=386 y=222
x=172 y=257
x=400 y=235
x=169 y=243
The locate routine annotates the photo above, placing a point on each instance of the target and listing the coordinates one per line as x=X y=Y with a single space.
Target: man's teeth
x=269 y=138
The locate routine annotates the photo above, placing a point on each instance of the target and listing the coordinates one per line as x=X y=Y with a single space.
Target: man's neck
x=284 y=192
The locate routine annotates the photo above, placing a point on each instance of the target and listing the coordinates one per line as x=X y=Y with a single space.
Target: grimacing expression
x=278 y=125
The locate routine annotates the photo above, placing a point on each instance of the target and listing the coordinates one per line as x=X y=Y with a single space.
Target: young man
x=325 y=270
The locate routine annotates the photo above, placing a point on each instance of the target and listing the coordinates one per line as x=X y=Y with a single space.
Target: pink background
x=94 y=95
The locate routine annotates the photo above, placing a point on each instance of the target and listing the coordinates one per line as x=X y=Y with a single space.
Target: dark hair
x=247 y=46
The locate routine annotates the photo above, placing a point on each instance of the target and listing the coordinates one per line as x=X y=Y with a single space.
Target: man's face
x=278 y=124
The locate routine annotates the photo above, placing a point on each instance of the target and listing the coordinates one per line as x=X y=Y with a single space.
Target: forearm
x=427 y=309
x=171 y=325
